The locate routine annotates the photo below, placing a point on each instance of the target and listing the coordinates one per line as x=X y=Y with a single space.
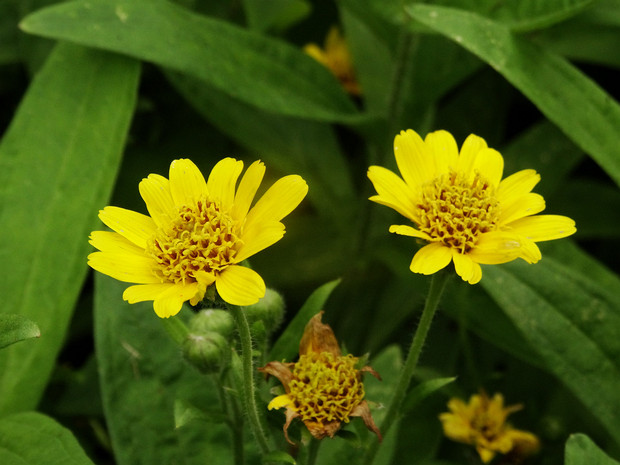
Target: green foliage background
x=97 y=94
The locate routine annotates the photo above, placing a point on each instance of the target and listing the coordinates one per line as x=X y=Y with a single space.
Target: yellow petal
x=126 y=267
x=413 y=158
x=486 y=455
x=392 y=190
x=544 y=227
x=405 y=230
x=445 y=152
x=187 y=184
x=316 y=52
x=169 y=302
x=281 y=199
x=529 y=250
x=144 y=292
x=490 y=164
x=258 y=238
x=278 y=402
x=431 y=258
x=108 y=241
x=136 y=227
x=517 y=184
x=469 y=152
x=222 y=182
x=247 y=190
x=496 y=247
x=155 y=191
x=239 y=285
x=525 y=205
x=466 y=268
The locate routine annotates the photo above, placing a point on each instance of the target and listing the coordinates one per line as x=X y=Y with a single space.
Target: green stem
x=434 y=294
x=248 y=378
x=176 y=328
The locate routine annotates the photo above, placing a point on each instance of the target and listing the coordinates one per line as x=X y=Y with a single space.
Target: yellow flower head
x=459 y=203
x=482 y=423
x=324 y=388
x=336 y=57
x=196 y=235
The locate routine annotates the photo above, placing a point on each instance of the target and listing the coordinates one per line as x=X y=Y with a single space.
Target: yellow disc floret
x=202 y=238
x=325 y=388
x=456 y=211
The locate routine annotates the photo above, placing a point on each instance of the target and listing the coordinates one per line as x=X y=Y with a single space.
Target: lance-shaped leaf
x=15 y=328
x=265 y=72
x=576 y=104
x=58 y=161
x=580 y=450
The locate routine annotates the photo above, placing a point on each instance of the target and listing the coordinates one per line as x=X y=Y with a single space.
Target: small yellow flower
x=324 y=388
x=482 y=423
x=459 y=203
x=196 y=235
x=337 y=59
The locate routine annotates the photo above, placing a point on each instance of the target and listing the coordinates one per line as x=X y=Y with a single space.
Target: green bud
x=269 y=310
x=205 y=350
x=217 y=321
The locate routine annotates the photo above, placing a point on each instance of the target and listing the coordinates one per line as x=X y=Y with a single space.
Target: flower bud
x=205 y=350
x=217 y=321
x=269 y=310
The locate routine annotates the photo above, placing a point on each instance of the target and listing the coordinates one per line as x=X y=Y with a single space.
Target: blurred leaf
x=9 y=52
x=422 y=391
x=30 y=438
x=528 y=15
x=570 y=318
x=185 y=412
x=142 y=374
x=307 y=148
x=15 y=328
x=580 y=450
x=584 y=112
x=58 y=160
x=287 y=345
x=277 y=15
x=265 y=72
x=278 y=456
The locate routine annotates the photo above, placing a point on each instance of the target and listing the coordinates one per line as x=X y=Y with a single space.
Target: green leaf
x=265 y=72
x=580 y=450
x=142 y=374
x=422 y=391
x=278 y=456
x=15 y=328
x=287 y=345
x=528 y=15
x=185 y=412
x=570 y=318
x=584 y=112
x=277 y=15
x=30 y=438
x=58 y=161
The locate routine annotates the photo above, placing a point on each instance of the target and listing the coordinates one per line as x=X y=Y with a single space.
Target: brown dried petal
x=319 y=431
x=280 y=370
x=318 y=337
x=362 y=410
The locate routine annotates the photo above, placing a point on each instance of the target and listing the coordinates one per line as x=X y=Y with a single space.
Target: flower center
x=455 y=211
x=325 y=388
x=202 y=238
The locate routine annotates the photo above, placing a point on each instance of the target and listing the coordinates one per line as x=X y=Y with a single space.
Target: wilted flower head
x=324 y=388
x=482 y=423
x=196 y=235
x=336 y=57
x=459 y=203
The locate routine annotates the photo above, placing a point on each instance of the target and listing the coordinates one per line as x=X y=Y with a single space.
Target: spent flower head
x=459 y=204
x=336 y=57
x=197 y=234
x=323 y=388
x=482 y=423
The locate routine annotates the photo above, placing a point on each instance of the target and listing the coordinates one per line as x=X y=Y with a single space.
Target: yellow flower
x=196 y=235
x=482 y=423
x=324 y=388
x=337 y=59
x=459 y=203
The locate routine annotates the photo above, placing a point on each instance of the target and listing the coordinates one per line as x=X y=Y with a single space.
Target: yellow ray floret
x=459 y=204
x=197 y=234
